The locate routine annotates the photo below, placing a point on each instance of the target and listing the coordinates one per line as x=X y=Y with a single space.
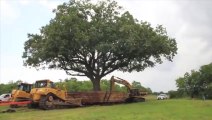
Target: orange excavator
x=135 y=95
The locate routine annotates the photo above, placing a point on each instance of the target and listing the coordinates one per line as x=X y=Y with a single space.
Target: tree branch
x=109 y=71
x=72 y=74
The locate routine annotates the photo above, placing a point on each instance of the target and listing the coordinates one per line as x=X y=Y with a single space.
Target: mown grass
x=180 y=109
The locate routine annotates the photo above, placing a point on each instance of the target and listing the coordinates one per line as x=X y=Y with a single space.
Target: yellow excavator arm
x=114 y=80
x=134 y=94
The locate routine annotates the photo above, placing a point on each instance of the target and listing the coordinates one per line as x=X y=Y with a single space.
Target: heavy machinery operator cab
x=25 y=87
x=44 y=83
x=134 y=92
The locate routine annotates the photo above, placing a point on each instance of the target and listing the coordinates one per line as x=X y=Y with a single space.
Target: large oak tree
x=94 y=39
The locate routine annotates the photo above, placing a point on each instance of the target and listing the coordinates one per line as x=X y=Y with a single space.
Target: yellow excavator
x=47 y=96
x=22 y=93
x=135 y=95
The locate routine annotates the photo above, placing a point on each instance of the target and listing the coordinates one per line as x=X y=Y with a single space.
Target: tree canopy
x=197 y=83
x=95 y=39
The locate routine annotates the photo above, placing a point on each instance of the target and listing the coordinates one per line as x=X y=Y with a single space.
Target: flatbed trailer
x=9 y=103
x=100 y=97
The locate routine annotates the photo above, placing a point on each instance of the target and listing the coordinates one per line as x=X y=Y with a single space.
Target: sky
x=188 y=21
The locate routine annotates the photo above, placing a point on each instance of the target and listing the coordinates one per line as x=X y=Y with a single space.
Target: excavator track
x=51 y=102
x=45 y=104
x=135 y=99
x=138 y=99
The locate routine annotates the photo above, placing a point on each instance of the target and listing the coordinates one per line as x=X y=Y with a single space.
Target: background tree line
x=196 y=84
x=7 y=88
x=74 y=85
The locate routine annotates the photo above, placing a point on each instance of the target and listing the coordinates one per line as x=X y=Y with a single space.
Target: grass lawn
x=180 y=109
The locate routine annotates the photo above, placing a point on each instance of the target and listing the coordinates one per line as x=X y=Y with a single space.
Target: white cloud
x=8 y=12
x=50 y=4
x=25 y=2
x=30 y=75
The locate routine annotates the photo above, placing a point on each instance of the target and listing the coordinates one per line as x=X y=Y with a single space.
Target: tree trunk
x=96 y=84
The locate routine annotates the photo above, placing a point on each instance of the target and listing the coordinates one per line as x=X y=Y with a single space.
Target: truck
x=5 y=97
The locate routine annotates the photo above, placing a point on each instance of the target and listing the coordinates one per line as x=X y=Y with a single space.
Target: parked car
x=5 y=97
x=162 y=97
